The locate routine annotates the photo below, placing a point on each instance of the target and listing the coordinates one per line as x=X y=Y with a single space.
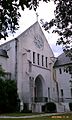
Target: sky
x=28 y=17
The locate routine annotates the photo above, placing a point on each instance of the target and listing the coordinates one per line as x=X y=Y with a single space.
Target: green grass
x=19 y=114
x=38 y=118
x=54 y=117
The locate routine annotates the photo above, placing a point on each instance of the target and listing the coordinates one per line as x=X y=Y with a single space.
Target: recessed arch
x=39 y=88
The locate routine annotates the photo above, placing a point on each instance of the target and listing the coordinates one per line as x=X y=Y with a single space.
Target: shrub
x=8 y=96
x=70 y=106
x=43 y=108
x=26 y=110
x=9 y=101
x=50 y=107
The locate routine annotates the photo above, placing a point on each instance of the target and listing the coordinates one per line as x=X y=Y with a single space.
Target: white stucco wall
x=3 y=63
x=26 y=47
x=63 y=82
x=10 y=62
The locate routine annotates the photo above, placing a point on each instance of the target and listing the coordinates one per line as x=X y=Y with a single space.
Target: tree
x=11 y=96
x=70 y=106
x=62 y=24
x=8 y=94
x=9 y=16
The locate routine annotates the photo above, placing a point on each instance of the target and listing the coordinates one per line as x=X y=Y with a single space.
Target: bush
x=70 y=106
x=43 y=108
x=9 y=101
x=8 y=96
x=26 y=110
x=50 y=107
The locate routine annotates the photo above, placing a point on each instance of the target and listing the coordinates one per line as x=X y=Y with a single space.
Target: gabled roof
x=33 y=25
x=20 y=34
x=62 y=60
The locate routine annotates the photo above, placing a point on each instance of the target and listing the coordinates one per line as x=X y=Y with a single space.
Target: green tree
x=70 y=106
x=8 y=94
x=9 y=16
x=11 y=95
x=2 y=95
x=62 y=24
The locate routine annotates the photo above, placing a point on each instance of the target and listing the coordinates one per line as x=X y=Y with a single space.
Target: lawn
x=37 y=118
x=19 y=114
x=54 y=117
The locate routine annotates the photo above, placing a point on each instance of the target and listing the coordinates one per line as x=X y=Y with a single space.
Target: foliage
x=8 y=94
x=70 y=106
x=62 y=21
x=9 y=14
x=62 y=24
x=50 y=107
x=8 y=17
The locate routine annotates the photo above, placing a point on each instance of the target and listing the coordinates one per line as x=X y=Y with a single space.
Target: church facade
x=30 y=61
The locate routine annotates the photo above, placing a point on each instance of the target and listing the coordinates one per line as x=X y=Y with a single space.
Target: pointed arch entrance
x=39 y=89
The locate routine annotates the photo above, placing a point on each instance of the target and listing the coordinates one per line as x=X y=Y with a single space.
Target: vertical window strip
x=49 y=93
x=33 y=57
x=46 y=62
x=42 y=60
x=60 y=71
x=71 y=92
x=61 y=92
x=30 y=66
x=38 y=55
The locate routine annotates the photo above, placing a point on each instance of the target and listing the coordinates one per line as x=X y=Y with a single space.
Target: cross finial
x=37 y=16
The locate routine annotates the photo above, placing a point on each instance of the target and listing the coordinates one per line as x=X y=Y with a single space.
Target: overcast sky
x=28 y=17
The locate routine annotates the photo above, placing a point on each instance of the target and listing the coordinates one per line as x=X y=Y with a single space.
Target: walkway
x=32 y=116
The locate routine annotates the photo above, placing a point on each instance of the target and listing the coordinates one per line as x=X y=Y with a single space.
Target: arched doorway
x=39 y=87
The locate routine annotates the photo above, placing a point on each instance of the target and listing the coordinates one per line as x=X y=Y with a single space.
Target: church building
x=30 y=60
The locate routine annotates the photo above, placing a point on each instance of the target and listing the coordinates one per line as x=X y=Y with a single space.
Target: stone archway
x=39 y=87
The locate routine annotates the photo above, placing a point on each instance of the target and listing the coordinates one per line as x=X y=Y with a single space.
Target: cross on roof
x=37 y=16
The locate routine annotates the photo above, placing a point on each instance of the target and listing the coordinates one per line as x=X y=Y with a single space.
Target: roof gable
x=62 y=60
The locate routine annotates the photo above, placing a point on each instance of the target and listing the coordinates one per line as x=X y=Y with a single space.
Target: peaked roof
x=34 y=24
x=62 y=60
x=28 y=28
x=20 y=34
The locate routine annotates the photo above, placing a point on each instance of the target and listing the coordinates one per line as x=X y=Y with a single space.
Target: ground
x=48 y=116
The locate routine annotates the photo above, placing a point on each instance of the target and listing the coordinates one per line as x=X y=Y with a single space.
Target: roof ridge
x=19 y=34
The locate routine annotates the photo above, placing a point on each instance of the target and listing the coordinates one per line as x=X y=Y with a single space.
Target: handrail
x=40 y=99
